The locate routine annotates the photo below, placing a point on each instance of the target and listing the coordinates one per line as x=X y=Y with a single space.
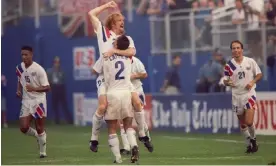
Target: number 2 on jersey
x=121 y=67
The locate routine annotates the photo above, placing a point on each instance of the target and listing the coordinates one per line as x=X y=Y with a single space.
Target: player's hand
x=112 y=4
x=229 y=83
x=30 y=88
x=18 y=94
x=250 y=85
x=109 y=53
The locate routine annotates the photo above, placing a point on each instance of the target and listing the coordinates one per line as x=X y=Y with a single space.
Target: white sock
x=251 y=130
x=113 y=142
x=140 y=120
x=124 y=138
x=96 y=126
x=32 y=132
x=146 y=128
x=131 y=136
x=42 y=143
x=246 y=135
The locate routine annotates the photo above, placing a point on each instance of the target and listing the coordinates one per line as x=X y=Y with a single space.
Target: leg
x=126 y=149
x=25 y=126
x=55 y=102
x=64 y=105
x=132 y=139
x=244 y=131
x=249 y=118
x=4 y=119
x=138 y=114
x=97 y=123
x=113 y=140
x=39 y=124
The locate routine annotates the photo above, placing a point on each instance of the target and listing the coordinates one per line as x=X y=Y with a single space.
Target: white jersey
x=35 y=76
x=241 y=74
x=105 y=42
x=137 y=67
x=117 y=71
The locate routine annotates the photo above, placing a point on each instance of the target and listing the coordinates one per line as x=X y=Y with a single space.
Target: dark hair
x=28 y=48
x=122 y=42
x=236 y=41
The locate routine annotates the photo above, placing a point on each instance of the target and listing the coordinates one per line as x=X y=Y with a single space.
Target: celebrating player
x=117 y=72
x=106 y=36
x=242 y=74
x=31 y=87
x=138 y=72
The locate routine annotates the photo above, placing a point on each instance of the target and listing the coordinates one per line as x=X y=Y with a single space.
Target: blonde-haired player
x=106 y=36
x=242 y=74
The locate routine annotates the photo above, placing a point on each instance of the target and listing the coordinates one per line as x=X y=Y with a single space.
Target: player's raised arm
x=95 y=12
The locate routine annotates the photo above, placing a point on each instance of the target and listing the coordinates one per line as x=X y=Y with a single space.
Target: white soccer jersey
x=117 y=71
x=105 y=43
x=241 y=74
x=35 y=76
x=137 y=67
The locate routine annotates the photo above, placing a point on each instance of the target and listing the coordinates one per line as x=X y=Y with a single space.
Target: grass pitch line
x=216 y=140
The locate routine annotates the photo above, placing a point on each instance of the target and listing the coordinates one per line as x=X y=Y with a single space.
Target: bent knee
x=24 y=129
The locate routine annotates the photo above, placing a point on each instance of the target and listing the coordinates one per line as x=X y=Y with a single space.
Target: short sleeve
x=43 y=79
x=98 y=66
x=131 y=42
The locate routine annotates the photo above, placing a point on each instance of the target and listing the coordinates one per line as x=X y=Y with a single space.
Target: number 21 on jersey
x=241 y=75
x=121 y=66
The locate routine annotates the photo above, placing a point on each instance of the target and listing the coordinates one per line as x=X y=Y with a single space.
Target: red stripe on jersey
x=107 y=32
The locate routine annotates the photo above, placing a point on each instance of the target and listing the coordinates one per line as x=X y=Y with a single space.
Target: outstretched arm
x=95 y=12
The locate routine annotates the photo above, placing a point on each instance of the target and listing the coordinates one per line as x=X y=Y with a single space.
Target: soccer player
x=117 y=72
x=106 y=35
x=242 y=74
x=31 y=87
x=138 y=72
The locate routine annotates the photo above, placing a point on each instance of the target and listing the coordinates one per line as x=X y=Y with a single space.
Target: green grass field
x=69 y=145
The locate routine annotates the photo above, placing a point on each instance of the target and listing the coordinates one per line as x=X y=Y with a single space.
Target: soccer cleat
x=118 y=161
x=147 y=143
x=134 y=154
x=255 y=146
x=94 y=145
x=248 y=149
x=42 y=156
x=124 y=152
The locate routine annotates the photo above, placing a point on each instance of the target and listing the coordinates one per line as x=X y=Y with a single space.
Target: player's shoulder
x=21 y=65
x=38 y=66
x=129 y=38
x=248 y=59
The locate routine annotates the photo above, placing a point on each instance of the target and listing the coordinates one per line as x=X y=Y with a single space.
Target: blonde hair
x=111 y=20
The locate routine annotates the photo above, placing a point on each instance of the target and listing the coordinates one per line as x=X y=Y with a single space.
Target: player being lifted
x=138 y=72
x=117 y=72
x=31 y=87
x=242 y=74
x=106 y=35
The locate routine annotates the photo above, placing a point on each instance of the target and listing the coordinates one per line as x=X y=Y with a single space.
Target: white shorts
x=244 y=102
x=141 y=95
x=101 y=86
x=35 y=107
x=119 y=105
x=101 y=90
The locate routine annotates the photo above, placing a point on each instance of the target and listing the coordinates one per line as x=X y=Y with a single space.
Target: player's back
x=117 y=71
